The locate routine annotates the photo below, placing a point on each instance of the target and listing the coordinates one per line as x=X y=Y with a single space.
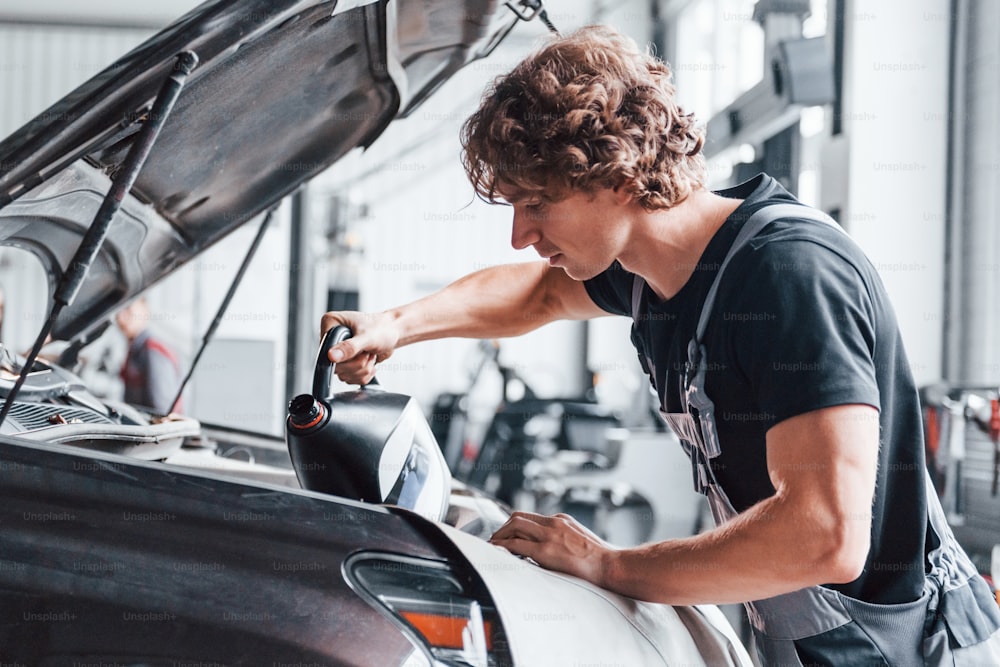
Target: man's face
x=132 y=319
x=581 y=234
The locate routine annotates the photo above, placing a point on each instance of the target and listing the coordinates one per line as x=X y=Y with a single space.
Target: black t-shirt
x=801 y=322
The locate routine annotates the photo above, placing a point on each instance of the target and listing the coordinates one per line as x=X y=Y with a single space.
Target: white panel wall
x=95 y=12
x=887 y=173
x=40 y=64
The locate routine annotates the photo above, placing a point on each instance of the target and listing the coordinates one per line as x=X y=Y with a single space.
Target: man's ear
x=623 y=194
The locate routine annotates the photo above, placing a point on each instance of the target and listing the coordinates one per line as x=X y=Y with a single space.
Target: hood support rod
x=210 y=333
x=90 y=246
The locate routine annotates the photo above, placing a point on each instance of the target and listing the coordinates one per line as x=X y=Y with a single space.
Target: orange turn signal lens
x=445 y=631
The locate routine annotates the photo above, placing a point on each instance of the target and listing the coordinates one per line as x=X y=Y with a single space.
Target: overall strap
x=753 y=226
x=637 y=284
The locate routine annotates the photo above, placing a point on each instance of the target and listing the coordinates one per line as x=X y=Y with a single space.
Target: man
x=151 y=372
x=786 y=380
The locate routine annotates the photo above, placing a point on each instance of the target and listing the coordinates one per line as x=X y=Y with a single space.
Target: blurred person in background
x=151 y=372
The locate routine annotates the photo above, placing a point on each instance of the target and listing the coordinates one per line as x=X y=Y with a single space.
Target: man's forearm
x=498 y=302
x=768 y=550
x=501 y=301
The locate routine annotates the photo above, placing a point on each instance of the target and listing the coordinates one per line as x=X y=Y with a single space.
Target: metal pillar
x=971 y=352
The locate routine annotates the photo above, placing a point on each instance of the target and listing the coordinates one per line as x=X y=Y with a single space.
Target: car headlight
x=453 y=619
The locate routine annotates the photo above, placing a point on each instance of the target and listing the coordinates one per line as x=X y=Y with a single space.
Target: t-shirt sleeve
x=611 y=290
x=802 y=329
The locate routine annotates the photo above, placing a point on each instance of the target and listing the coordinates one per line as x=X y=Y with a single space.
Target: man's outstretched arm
x=501 y=301
x=815 y=529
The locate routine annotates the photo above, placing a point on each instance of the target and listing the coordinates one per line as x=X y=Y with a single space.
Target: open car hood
x=283 y=89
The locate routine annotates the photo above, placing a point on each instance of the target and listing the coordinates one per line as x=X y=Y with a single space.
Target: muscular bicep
x=823 y=464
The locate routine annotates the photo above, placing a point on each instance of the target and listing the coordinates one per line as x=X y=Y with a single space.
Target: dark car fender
x=107 y=558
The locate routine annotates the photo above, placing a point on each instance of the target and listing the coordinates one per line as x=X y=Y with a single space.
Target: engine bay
x=54 y=406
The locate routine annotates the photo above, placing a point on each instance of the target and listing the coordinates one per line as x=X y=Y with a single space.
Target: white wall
x=96 y=12
x=887 y=172
x=40 y=64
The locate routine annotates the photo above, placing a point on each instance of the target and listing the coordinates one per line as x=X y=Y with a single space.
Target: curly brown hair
x=588 y=110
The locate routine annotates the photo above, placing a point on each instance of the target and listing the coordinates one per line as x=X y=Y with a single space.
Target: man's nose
x=524 y=231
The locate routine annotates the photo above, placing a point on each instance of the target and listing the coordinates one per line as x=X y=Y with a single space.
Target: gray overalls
x=948 y=625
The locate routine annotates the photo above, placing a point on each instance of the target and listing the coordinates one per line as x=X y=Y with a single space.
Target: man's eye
x=535 y=206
